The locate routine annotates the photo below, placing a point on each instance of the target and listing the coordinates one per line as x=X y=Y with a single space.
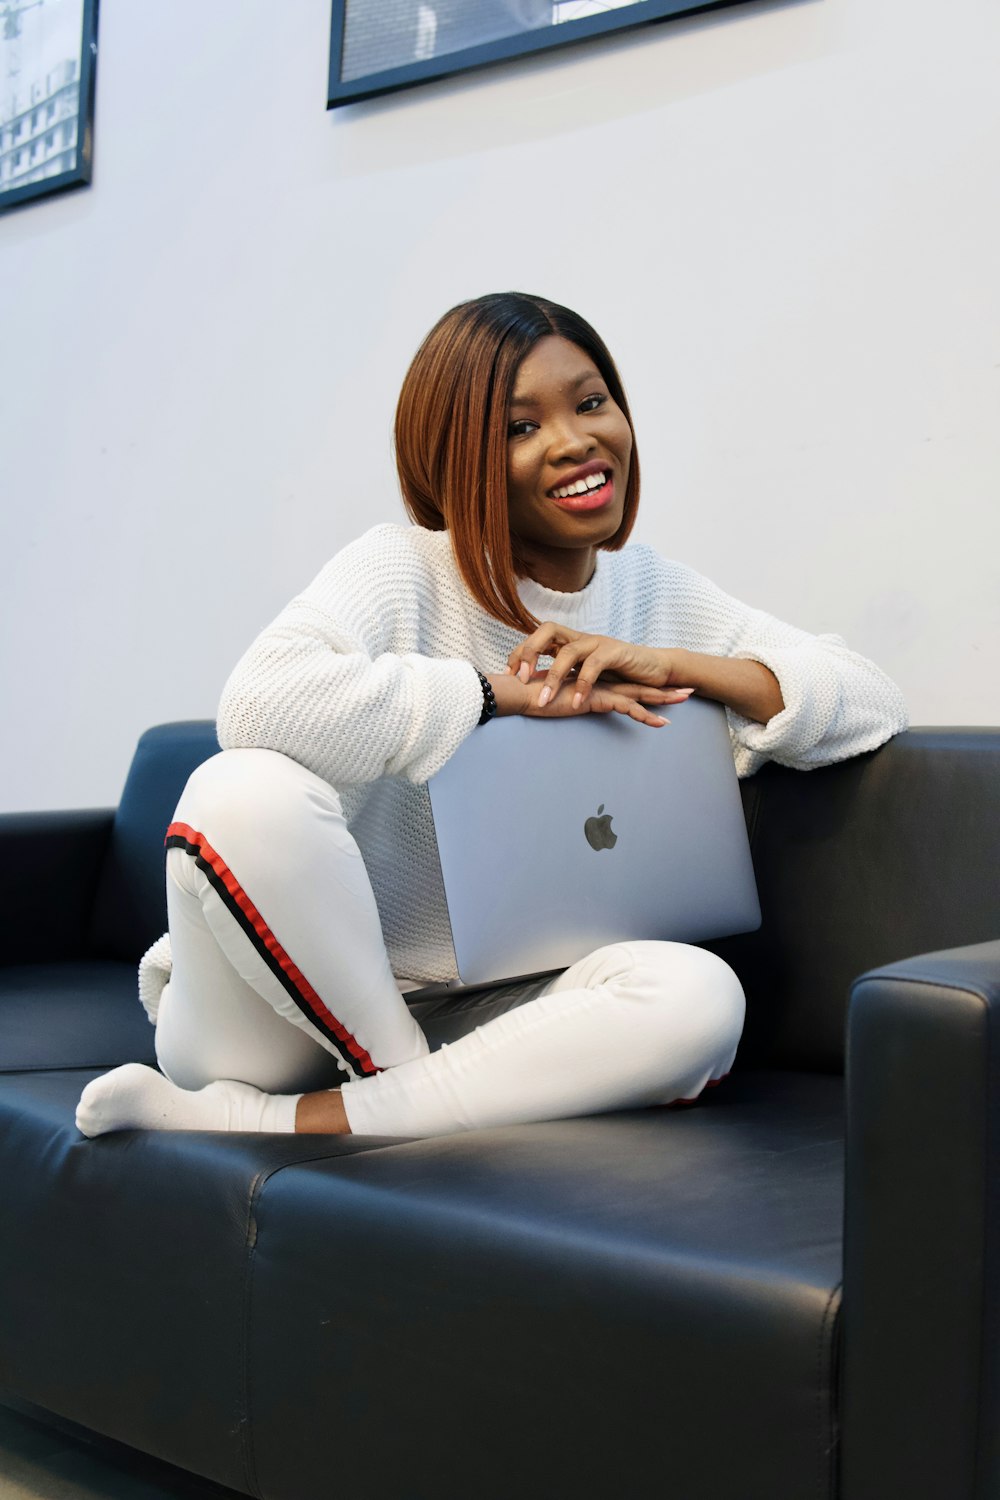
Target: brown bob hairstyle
x=451 y=435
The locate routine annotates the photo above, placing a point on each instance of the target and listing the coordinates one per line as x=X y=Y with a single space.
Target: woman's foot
x=135 y=1097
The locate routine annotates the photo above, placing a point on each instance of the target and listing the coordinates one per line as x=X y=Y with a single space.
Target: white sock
x=136 y=1097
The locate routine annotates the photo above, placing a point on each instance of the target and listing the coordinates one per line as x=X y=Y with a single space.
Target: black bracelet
x=489 y=700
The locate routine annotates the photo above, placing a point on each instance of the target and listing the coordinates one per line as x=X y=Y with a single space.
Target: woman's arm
x=340 y=683
x=747 y=687
x=831 y=702
x=837 y=703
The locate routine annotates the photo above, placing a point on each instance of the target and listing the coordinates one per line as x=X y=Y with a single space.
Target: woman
x=517 y=461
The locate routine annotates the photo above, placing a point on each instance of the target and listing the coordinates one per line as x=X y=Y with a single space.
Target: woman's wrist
x=510 y=693
x=678 y=667
x=746 y=686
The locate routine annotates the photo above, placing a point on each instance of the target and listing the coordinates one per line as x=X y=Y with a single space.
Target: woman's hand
x=514 y=695
x=587 y=658
x=580 y=662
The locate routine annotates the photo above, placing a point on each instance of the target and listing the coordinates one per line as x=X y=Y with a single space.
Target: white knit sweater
x=368 y=678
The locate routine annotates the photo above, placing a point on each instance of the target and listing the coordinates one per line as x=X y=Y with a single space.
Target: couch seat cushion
x=505 y=1298
x=638 y=1304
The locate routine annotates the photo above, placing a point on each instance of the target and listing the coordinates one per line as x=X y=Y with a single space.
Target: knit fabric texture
x=369 y=679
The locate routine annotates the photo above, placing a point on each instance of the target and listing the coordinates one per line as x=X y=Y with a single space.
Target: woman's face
x=568 y=453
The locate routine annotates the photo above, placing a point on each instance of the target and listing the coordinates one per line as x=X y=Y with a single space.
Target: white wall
x=784 y=218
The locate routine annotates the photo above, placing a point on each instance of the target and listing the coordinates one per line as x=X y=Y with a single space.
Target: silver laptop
x=558 y=836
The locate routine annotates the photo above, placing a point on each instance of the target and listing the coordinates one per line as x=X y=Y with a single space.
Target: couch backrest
x=130 y=910
x=860 y=864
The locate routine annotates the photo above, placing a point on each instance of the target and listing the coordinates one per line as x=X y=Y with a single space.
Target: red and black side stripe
x=288 y=974
x=713 y=1083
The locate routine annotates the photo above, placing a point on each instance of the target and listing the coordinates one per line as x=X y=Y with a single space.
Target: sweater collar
x=581 y=610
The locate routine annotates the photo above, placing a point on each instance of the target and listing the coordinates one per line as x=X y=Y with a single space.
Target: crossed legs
x=282 y=990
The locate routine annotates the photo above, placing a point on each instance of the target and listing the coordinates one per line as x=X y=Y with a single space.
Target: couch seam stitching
x=989 y=1153
x=245 y=1404
x=826 y=1428
x=246 y=1292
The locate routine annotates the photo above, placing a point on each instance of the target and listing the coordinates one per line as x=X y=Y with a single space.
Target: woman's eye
x=593 y=402
x=520 y=428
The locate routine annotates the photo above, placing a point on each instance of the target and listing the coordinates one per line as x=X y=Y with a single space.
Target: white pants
x=280 y=979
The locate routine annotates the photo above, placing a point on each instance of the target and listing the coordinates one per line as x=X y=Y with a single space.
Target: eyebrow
x=521 y=398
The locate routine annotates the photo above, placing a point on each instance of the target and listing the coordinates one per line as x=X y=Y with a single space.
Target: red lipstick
x=588 y=487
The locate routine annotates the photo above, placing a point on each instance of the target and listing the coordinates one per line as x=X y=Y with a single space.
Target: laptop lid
x=559 y=836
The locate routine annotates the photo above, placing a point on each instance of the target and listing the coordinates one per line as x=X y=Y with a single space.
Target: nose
x=571 y=439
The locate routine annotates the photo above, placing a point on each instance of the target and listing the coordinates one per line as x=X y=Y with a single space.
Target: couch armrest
x=49 y=868
x=922 y=1233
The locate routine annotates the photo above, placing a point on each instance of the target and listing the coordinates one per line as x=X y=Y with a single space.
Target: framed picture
x=48 y=56
x=377 y=46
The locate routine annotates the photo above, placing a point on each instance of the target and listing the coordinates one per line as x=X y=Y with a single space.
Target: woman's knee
x=258 y=789
x=691 y=987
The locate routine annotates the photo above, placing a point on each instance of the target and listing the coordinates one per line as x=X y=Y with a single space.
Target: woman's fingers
x=523 y=660
x=633 y=690
x=638 y=712
x=566 y=661
x=602 y=701
x=635 y=699
x=675 y=695
x=588 y=658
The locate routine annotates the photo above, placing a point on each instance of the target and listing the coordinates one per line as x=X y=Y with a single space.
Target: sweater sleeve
x=338 y=681
x=837 y=703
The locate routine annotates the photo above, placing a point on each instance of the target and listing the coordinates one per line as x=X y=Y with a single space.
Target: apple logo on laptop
x=597 y=831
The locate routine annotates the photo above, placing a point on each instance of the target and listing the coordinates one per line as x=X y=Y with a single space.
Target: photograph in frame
x=48 y=53
x=378 y=46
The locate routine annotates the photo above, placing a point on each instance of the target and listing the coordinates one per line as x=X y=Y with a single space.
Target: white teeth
x=581 y=487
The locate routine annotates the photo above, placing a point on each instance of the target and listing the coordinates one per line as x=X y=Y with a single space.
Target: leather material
x=859 y=865
x=124 y=1271
x=627 y=1304
x=446 y=1015
x=130 y=909
x=638 y=1304
x=922 y=1252
x=49 y=867
x=83 y=1015
x=526 y=1286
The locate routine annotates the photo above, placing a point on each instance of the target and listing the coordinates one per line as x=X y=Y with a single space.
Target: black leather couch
x=713 y=1303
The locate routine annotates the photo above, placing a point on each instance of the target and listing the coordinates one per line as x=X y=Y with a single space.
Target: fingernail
x=544 y=697
x=577 y=699
x=685 y=692
x=658 y=720
x=507 y=672
x=524 y=672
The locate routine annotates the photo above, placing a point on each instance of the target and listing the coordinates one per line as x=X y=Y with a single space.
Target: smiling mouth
x=586 y=494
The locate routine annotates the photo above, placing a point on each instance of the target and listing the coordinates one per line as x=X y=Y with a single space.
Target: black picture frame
x=46 y=102
x=395 y=23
